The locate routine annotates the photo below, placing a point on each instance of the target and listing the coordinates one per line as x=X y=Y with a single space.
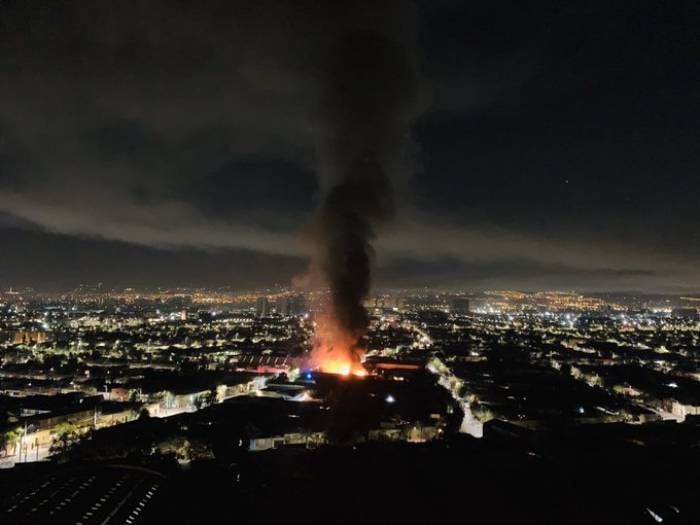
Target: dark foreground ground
x=607 y=474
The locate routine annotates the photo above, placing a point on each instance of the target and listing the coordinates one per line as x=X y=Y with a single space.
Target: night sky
x=153 y=142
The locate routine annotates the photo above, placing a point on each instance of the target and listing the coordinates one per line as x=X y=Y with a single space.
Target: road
x=10 y=461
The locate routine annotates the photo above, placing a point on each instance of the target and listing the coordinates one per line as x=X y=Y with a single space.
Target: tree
x=210 y=397
x=65 y=438
x=206 y=399
x=12 y=438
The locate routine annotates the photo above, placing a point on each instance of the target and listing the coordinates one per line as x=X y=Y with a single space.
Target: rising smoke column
x=368 y=98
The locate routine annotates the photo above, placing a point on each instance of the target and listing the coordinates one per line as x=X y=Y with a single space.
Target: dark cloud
x=139 y=119
x=58 y=262
x=557 y=135
x=124 y=121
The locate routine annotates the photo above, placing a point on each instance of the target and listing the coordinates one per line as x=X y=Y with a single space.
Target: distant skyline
x=553 y=146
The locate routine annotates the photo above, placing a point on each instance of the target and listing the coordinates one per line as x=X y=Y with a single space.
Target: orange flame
x=335 y=351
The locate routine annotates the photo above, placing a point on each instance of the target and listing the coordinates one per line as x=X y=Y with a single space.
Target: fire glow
x=335 y=351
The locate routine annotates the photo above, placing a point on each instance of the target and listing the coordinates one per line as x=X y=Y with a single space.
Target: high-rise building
x=292 y=305
x=262 y=307
x=459 y=305
x=297 y=305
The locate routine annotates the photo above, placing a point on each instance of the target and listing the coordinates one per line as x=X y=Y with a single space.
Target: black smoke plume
x=367 y=101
